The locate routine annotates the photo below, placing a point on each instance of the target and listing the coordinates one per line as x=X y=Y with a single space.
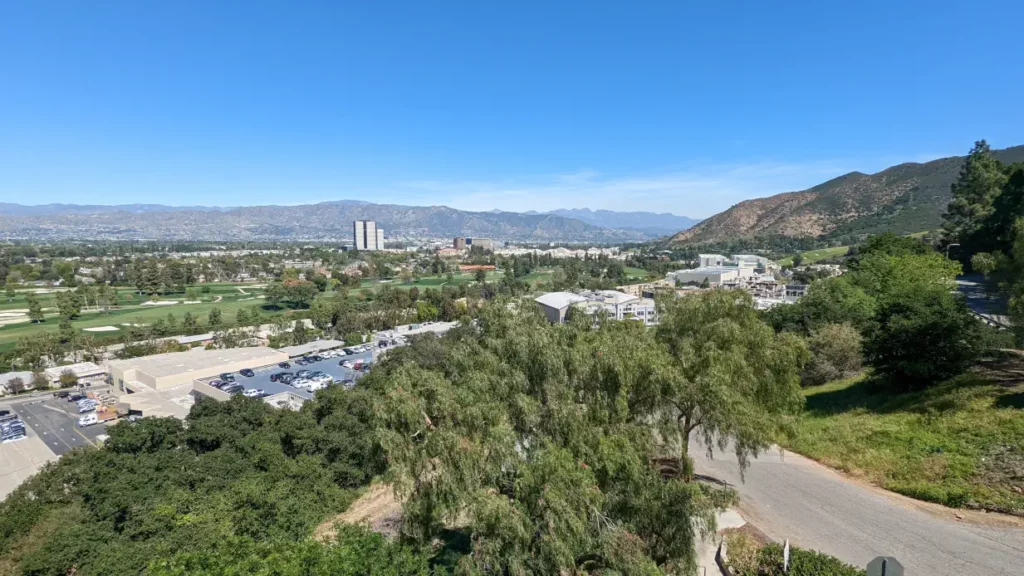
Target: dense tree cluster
x=544 y=449
x=234 y=475
x=986 y=218
x=900 y=295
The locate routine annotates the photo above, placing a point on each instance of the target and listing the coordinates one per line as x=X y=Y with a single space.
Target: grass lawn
x=812 y=256
x=960 y=443
x=231 y=300
x=442 y=280
x=636 y=273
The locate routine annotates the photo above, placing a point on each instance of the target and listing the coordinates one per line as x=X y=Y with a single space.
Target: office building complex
x=461 y=243
x=367 y=236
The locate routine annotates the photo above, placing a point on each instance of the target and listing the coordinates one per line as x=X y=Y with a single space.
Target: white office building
x=611 y=303
x=367 y=236
x=714 y=275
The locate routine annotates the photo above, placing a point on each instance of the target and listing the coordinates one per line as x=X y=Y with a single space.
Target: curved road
x=792 y=497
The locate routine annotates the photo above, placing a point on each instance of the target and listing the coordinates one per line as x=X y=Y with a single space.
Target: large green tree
x=35 y=309
x=731 y=379
x=977 y=186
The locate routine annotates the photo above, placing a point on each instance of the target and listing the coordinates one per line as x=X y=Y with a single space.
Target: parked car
x=217 y=383
x=346 y=364
x=253 y=393
x=284 y=365
x=314 y=386
x=75 y=397
x=301 y=382
x=348 y=351
x=83 y=408
x=134 y=418
x=233 y=388
x=61 y=394
x=286 y=378
x=304 y=373
x=247 y=372
x=88 y=420
x=301 y=362
x=317 y=357
x=227 y=377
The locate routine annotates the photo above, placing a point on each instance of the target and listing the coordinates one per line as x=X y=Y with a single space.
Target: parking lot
x=55 y=422
x=329 y=366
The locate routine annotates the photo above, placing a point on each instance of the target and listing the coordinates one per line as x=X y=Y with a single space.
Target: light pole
x=948 y=246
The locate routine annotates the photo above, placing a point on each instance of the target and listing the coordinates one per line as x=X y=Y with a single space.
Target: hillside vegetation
x=958 y=444
x=902 y=199
x=516 y=447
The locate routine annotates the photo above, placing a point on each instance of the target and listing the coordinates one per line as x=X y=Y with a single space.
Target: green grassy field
x=131 y=311
x=442 y=280
x=960 y=444
x=636 y=274
x=812 y=256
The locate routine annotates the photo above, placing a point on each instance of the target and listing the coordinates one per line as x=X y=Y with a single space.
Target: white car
x=88 y=420
x=253 y=393
x=314 y=386
x=347 y=364
x=301 y=382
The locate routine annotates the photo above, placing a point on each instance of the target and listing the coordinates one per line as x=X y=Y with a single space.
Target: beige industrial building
x=162 y=384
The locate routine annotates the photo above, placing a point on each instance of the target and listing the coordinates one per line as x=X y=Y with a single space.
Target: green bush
x=802 y=562
x=836 y=353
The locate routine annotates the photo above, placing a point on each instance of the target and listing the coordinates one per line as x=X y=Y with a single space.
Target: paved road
x=987 y=305
x=56 y=426
x=793 y=497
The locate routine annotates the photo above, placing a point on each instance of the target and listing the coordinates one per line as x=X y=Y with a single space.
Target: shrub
x=924 y=337
x=801 y=563
x=15 y=385
x=836 y=353
x=39 y=381
x=68 y=379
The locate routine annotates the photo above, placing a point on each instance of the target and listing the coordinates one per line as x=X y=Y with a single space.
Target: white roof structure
x=559 y=300
x=310 y=347
x=81 y=370
x=197 y=361
x=196 y=338
x=26 y=378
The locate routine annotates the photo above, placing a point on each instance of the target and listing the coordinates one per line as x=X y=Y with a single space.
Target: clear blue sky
x=674 y=106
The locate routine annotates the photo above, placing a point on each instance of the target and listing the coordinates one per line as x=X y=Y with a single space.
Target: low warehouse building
x=84 y=371
x=161 y=385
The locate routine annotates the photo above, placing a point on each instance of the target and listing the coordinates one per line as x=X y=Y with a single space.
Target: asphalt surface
x=792 y=497
x=983 y=303
x=330 y=366
x=55 y=421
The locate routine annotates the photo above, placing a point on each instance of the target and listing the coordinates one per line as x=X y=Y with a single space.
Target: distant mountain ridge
x=651 y=223
x=905 y=198
x=323 y=221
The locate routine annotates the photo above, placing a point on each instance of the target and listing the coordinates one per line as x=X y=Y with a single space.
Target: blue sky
x=687 y=107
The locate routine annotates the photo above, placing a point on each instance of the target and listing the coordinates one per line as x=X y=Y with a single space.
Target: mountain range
x=906 y=198
x=323 y=221
x=650 y=223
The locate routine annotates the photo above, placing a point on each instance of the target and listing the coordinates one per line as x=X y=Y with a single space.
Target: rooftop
x=161 y=365
x=559 y=299
x=82 y=369
x=310 y=347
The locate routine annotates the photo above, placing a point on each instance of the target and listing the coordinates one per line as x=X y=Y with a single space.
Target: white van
x=88 y=420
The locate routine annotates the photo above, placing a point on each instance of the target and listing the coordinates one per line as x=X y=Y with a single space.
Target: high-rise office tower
x=366 y=235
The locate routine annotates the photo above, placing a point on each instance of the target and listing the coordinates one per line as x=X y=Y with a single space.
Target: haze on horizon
x=668 y=108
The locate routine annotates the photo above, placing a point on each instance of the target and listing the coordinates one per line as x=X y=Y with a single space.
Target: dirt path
x=377 y=508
